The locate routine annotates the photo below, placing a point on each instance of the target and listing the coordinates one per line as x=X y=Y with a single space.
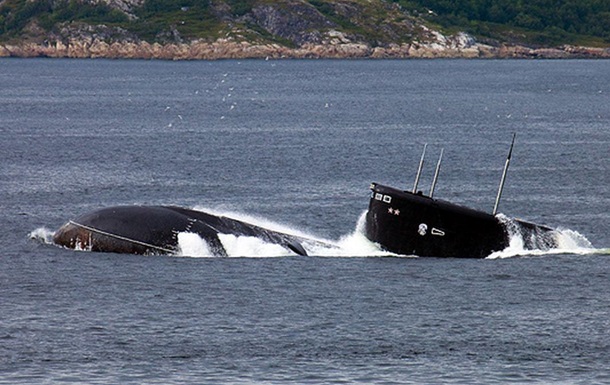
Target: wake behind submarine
x=400 y=222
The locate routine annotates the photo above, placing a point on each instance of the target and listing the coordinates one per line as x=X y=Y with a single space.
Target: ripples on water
x=295 y=144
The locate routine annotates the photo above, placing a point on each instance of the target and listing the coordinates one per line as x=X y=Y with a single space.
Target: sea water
x=294 y=145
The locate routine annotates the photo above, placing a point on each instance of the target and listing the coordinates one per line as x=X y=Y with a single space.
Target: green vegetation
x=326 y=8
x=535 y=22
x=240 y=7
x=542 y=22
x=16 y=14
x=191 y=18
x=364 y=18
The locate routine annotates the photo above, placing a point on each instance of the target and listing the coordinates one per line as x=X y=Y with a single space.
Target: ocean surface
x=294 y=145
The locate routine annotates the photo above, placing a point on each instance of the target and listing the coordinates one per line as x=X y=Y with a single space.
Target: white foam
x=251 y=247
x=568 y=242
x=355 y=244
x=572 y=240
x=43 y=235
x=351 y=245
x=192 y=245
x=257 y=221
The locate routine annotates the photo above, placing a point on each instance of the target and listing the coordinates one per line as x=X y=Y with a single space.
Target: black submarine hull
x=414 y=224
x=155 y=229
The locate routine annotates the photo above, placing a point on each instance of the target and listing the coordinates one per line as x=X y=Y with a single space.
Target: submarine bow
x=155 y=229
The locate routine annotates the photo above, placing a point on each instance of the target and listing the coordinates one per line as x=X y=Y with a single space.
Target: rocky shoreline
x=295 y=29
x=227 y=49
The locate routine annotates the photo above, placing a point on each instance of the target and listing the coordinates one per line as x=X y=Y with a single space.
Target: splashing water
x=42 y=235
x=351 y=245
x=355 y=244
x=572 y=240
x=192 y=245
x=557 y=241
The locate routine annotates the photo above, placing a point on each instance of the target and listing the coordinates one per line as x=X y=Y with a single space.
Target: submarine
x=154 y=230
x=412 y=223
x=398 y=221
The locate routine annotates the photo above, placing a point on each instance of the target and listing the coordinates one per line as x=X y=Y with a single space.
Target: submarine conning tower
x=410 y=223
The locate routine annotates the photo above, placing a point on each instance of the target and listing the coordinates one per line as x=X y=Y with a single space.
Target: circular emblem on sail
x=423 y=229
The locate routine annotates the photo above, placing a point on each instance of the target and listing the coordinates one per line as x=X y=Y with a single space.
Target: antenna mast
x=510 y=152
x=421 y=165
x=438 y=168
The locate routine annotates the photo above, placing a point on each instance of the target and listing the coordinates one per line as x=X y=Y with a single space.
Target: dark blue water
x=297 y=143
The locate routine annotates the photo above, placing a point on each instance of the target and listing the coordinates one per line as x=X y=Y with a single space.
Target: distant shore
x=244 y=50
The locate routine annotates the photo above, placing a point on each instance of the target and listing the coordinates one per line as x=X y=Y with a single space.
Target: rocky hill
x=217 y=29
